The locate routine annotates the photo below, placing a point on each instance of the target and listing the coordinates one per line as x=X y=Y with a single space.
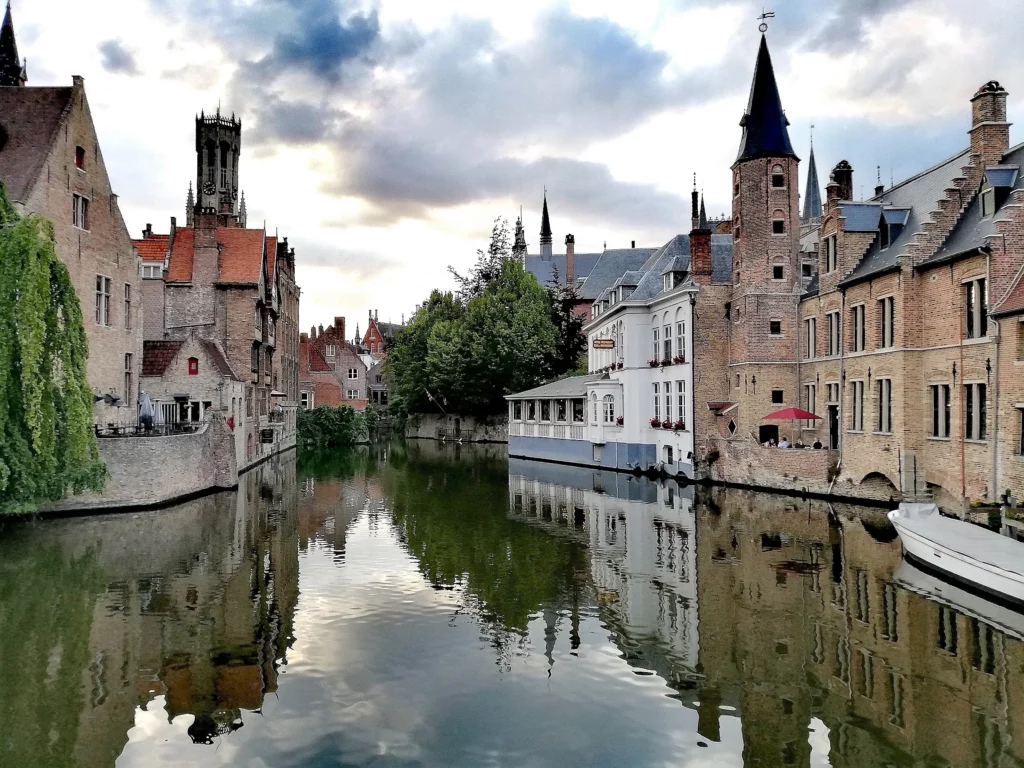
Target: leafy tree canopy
x=48 y=446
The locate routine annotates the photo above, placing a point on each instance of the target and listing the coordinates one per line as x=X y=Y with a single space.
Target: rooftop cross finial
x=812 y=135
x=765 y=15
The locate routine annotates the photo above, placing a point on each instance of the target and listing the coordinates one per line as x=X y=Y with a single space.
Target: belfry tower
x=766 y=230
x=218 y=147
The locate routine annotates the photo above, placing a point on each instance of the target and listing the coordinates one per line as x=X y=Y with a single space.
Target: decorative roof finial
x=765 y=15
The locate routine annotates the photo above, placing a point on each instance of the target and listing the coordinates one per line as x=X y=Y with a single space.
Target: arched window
x=224 y=149
x=593 y=401
x=778 y=176
x=193 y=366
x=211 y=159
x=609 y=409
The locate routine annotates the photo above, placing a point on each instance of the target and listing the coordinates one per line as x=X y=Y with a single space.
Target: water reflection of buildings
x=194 y=604
x=801 y=625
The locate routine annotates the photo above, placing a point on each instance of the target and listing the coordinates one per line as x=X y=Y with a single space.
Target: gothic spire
x=812 y=194
x=703 y=214
x=694 y=213
x=519 y=246
x=764 y=123
x=241 y=211
x=190 y=207
x=545 y=230
x=12 y=71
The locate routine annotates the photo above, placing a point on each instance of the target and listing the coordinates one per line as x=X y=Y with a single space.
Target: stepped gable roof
x=764 y=123
x=30 y=117
x=921 y=195
x=972 y=231
x=610 y=266
x=240 y=260
x=158 y=355
x=544 y=269
x=153 y=248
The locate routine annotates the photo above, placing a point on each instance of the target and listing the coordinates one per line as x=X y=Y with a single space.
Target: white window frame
x=80 y=212
x=353 y=374
x=152 y=271
x=668 y=401
x=887 y=322
x=608 y=407
x=681 y=401
x=306 y=399
x=330 y=350
x=657 y=401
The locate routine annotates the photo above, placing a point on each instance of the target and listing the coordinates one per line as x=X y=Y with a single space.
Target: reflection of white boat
x=1006 y=620
x=982 y=558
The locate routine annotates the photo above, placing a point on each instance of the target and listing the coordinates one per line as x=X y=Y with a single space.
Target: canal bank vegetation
x=48 y=446
x=327 y=426
x=500 y=332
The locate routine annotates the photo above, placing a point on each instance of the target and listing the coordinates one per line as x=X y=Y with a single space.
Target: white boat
x=1001 y=617
x=981 y=558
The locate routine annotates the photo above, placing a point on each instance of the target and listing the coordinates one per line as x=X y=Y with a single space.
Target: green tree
x=488 y=263
x=327 y=426
x=48 y=445
x=570 y=342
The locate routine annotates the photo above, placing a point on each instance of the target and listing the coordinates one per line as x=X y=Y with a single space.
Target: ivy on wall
x=47 y=443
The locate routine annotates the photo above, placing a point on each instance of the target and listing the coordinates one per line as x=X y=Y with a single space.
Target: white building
x=634 y=411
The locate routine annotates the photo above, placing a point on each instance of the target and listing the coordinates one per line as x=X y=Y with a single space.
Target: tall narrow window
x=1020 y=433
x=609 y=409
x=259 y=319
x=857 y=406
x=810 y=402
x=975 y=411
x=940 y=409
x=812 y=337
x=681 y=402
x=884 y=391
x=657 y=401
x=886 y=318
x=975 y=321
x=834 y=327
x=128 y=306
x=829 y=248
x=80 y=158
x=102 y=300
x=778 y=177
x=667 y=342
x=668 y=401
x=545 y=410
x=857 y=318
x=680 y=340
x=79 y=212
x=128 y=378
x=657 y=344
x=778 y=227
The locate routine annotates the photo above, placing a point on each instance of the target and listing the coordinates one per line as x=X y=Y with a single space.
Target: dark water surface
x=422 y=605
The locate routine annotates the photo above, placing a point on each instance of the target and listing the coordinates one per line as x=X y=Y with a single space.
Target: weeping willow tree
x=47 y=445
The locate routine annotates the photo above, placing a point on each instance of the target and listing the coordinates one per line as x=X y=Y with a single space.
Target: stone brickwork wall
x=103 y=249
x=152 y=309
x=467 y=428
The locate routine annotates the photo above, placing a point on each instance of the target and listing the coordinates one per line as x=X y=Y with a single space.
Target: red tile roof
x=158 y=355
x=317 y=361
x=152 y=248
x=271 y=256
x=241 y=255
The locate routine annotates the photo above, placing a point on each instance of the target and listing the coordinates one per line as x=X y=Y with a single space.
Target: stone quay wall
x=468 y=429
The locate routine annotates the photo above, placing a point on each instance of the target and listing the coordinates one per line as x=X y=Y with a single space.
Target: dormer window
x=988 y=202
x=667 y=282
x=883 y=234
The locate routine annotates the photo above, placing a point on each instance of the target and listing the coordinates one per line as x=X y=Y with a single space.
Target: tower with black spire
x=812 y=193
x=766 y=231
x=218 y=148
x=519 y=245
x=694 y=214
x=545 y=231
x=13 y=71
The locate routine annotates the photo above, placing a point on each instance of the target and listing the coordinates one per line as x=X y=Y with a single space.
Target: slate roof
x=861 y=217
x=543 y=269
x=545 y=220
x=152 y=248
x=609 y=267
x=812 y=192
x=574 y=386
x=920 y=194
x=10 y=63
x=158 y=355
x=764 y=123
x=241 y=255
x=218 y=359
x=31 y=117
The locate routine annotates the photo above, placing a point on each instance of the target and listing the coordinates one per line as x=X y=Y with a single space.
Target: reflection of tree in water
x=46 y=610
x=450 y=514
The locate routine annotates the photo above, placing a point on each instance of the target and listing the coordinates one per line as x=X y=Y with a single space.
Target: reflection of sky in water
x=387 y=671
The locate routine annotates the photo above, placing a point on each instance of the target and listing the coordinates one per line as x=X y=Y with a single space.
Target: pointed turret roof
x=519 y=246
x=545 y=220
x=764 y=123
x=812 y=194
x=703 y=224
x=12 y=73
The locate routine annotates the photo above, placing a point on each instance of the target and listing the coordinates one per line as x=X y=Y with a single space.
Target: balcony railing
x=556 y=431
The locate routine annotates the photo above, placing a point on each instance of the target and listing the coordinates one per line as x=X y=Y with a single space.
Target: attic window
x=883 y=234
x=80 y=158
x=778 y=177
x=193 y=366
x=988 y=202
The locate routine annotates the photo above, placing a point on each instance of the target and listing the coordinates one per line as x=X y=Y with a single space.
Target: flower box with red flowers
x=679 y=359
x=666 y=424
x=618 y=421
x=654 y=363
x=679 y=425
x=666 y=362
x=655 y=423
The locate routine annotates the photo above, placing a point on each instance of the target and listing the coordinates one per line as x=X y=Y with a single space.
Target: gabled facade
x=378 y=335
x=331 y=370
x=51 y=165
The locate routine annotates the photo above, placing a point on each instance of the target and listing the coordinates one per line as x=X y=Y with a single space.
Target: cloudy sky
x=384 y=136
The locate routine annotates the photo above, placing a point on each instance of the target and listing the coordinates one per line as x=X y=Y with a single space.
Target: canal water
x=424 y=605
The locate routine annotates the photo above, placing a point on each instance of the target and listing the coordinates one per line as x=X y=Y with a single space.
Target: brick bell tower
x=766 y=230
x=218 y=147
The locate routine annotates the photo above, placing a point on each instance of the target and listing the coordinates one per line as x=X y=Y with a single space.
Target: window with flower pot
x=657 y=401
x=657 y=345
x=609 y=409
x=668 y=401
x=681 y=403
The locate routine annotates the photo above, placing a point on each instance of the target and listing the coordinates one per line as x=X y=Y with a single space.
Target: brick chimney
x=303 y=338
x=570 y=260
x=843 y=175
x=990 y=133
x=339 y=327
x=700 y=255
x=147 y=232
x=312 y=333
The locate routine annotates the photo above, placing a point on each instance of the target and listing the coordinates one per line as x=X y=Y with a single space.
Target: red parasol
x=791 y=413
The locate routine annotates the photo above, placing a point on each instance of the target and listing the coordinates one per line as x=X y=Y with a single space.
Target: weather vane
x=765 y=15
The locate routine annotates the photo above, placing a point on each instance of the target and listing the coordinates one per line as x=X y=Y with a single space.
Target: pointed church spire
x=242 y=215
x=812 y=194
x=519 y=246
x=545 y=230
x=703 y=214
x=12 y=71
x=764 y=123
x=190 y=207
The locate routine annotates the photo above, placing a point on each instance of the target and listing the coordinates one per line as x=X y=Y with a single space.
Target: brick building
x=51 y=165
x=331 y=370
x=233 y=289
x=379 y=334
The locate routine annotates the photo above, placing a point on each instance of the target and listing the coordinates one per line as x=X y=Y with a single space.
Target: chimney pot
x=842 y=174
x=879 y=189
x=339 y=326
